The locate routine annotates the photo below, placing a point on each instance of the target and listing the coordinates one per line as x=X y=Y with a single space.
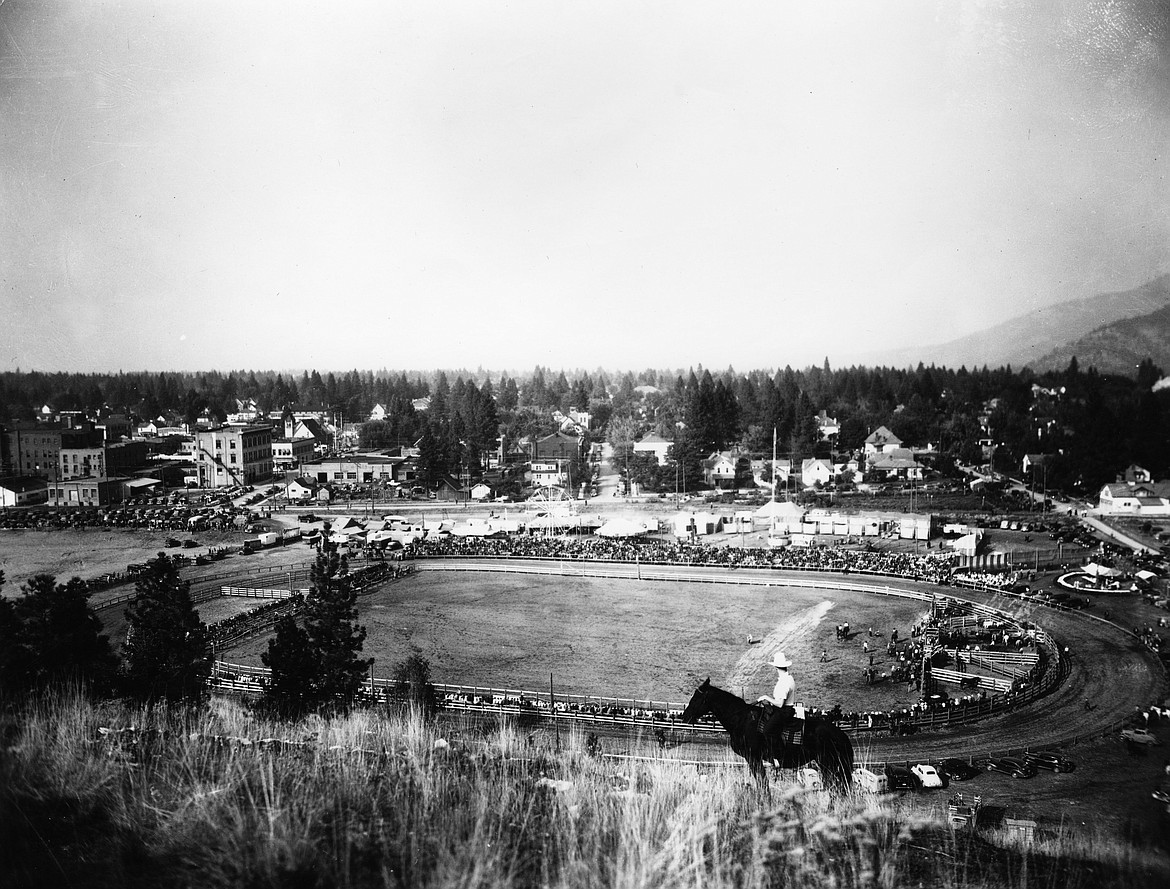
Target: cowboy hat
x=779 y=660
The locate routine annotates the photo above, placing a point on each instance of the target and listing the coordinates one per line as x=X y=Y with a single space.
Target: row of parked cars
x=929 y=776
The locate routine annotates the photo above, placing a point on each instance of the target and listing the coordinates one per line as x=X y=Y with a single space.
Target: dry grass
x=380 y=800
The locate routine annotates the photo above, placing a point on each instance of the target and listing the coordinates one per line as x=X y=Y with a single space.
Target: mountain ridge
x=1036 y=339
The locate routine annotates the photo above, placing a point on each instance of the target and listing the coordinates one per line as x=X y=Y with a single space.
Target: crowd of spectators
x=929 y=567
x=237 y=626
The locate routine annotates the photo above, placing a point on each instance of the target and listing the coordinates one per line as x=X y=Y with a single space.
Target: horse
x=823 y=741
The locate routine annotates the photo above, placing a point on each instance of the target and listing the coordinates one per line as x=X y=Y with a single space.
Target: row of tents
x=778 y=518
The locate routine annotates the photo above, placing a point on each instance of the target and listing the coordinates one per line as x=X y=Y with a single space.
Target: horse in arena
x=822 y=741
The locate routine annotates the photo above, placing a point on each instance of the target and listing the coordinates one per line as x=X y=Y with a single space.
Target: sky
x=198 y=185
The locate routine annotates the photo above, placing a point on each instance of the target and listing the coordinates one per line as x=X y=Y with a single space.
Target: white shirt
x=785 y=691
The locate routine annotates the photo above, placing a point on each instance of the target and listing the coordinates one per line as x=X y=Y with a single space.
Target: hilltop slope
x=1038 y=337
x=1118 y=347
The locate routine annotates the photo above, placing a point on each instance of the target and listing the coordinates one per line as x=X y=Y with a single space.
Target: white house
x=896 y=463
x=1147 y=499
x=829 y=427
x=813 y=471
x=719 y=469
x=481 y=492
x=881 y=440
x=543 y=474
x=653 y=444
x=379 y=412
x=303 y=488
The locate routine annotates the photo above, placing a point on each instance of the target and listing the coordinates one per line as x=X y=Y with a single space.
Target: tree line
x=1091 y=425
x=50 y=636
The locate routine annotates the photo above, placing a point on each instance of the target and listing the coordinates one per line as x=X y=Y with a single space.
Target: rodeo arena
x=996 y=669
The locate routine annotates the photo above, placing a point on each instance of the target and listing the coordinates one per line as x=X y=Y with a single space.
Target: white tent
x=473 y=528
x=782 y=509
x=967 y=545
x=620 y=527
x=701 y=523
x=562 y=522
x=1095 y=570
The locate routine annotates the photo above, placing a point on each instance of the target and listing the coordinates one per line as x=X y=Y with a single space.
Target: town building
x=118 y=458
x=35 y=449
x=232 y=455
x=22 y=490
x=557 y=446
x=88 y=491
x=360 y=469
x=289 y=453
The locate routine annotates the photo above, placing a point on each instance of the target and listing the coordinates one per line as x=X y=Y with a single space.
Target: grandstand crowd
x=929 y=568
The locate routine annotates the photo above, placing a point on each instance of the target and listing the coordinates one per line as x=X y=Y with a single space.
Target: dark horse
x=823 y=741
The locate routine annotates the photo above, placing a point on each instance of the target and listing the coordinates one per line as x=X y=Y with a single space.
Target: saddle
x=791 y=734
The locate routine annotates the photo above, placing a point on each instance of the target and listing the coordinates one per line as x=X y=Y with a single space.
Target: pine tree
x=290 y=691
x=330 y=612
x=315 y=665
x=58 y=638
x=167 y=652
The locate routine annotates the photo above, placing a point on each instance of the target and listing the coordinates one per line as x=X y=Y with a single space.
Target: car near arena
x=870 y=781
x=928 y=776
x=901 y=778
x=1008 y=765
x=1054 y=762
x=1139 y=736
x=958 y=770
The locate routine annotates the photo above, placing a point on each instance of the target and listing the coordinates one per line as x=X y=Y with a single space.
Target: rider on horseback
x=782 y=699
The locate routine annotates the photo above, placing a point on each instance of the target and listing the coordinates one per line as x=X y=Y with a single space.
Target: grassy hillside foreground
x=378 y=800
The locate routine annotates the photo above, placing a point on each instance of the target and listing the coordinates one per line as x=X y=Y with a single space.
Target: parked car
x=901 y=778
x=866 y=779
x=958 y=770
x=1139 y=736
x=1054 y=762
x=810 y=779
x=928 y=776
x=1008 y=765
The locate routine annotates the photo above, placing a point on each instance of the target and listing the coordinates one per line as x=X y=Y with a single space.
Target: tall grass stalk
x=383 y=800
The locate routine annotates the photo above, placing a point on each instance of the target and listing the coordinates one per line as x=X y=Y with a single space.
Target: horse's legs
x=759 y=771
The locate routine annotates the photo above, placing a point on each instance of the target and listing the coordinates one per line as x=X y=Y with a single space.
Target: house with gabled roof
x=1140 y=498
x=814 y=471
x=557 y=446
x=896 y=463
x=828 y=427
x=719 y=470
x=653 y=444
x=881 y=440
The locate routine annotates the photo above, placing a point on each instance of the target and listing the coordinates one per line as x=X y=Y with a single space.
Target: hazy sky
x=235 y=184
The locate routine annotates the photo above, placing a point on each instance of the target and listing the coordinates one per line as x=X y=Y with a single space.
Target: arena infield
x=657 y=639
x=625 y=638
